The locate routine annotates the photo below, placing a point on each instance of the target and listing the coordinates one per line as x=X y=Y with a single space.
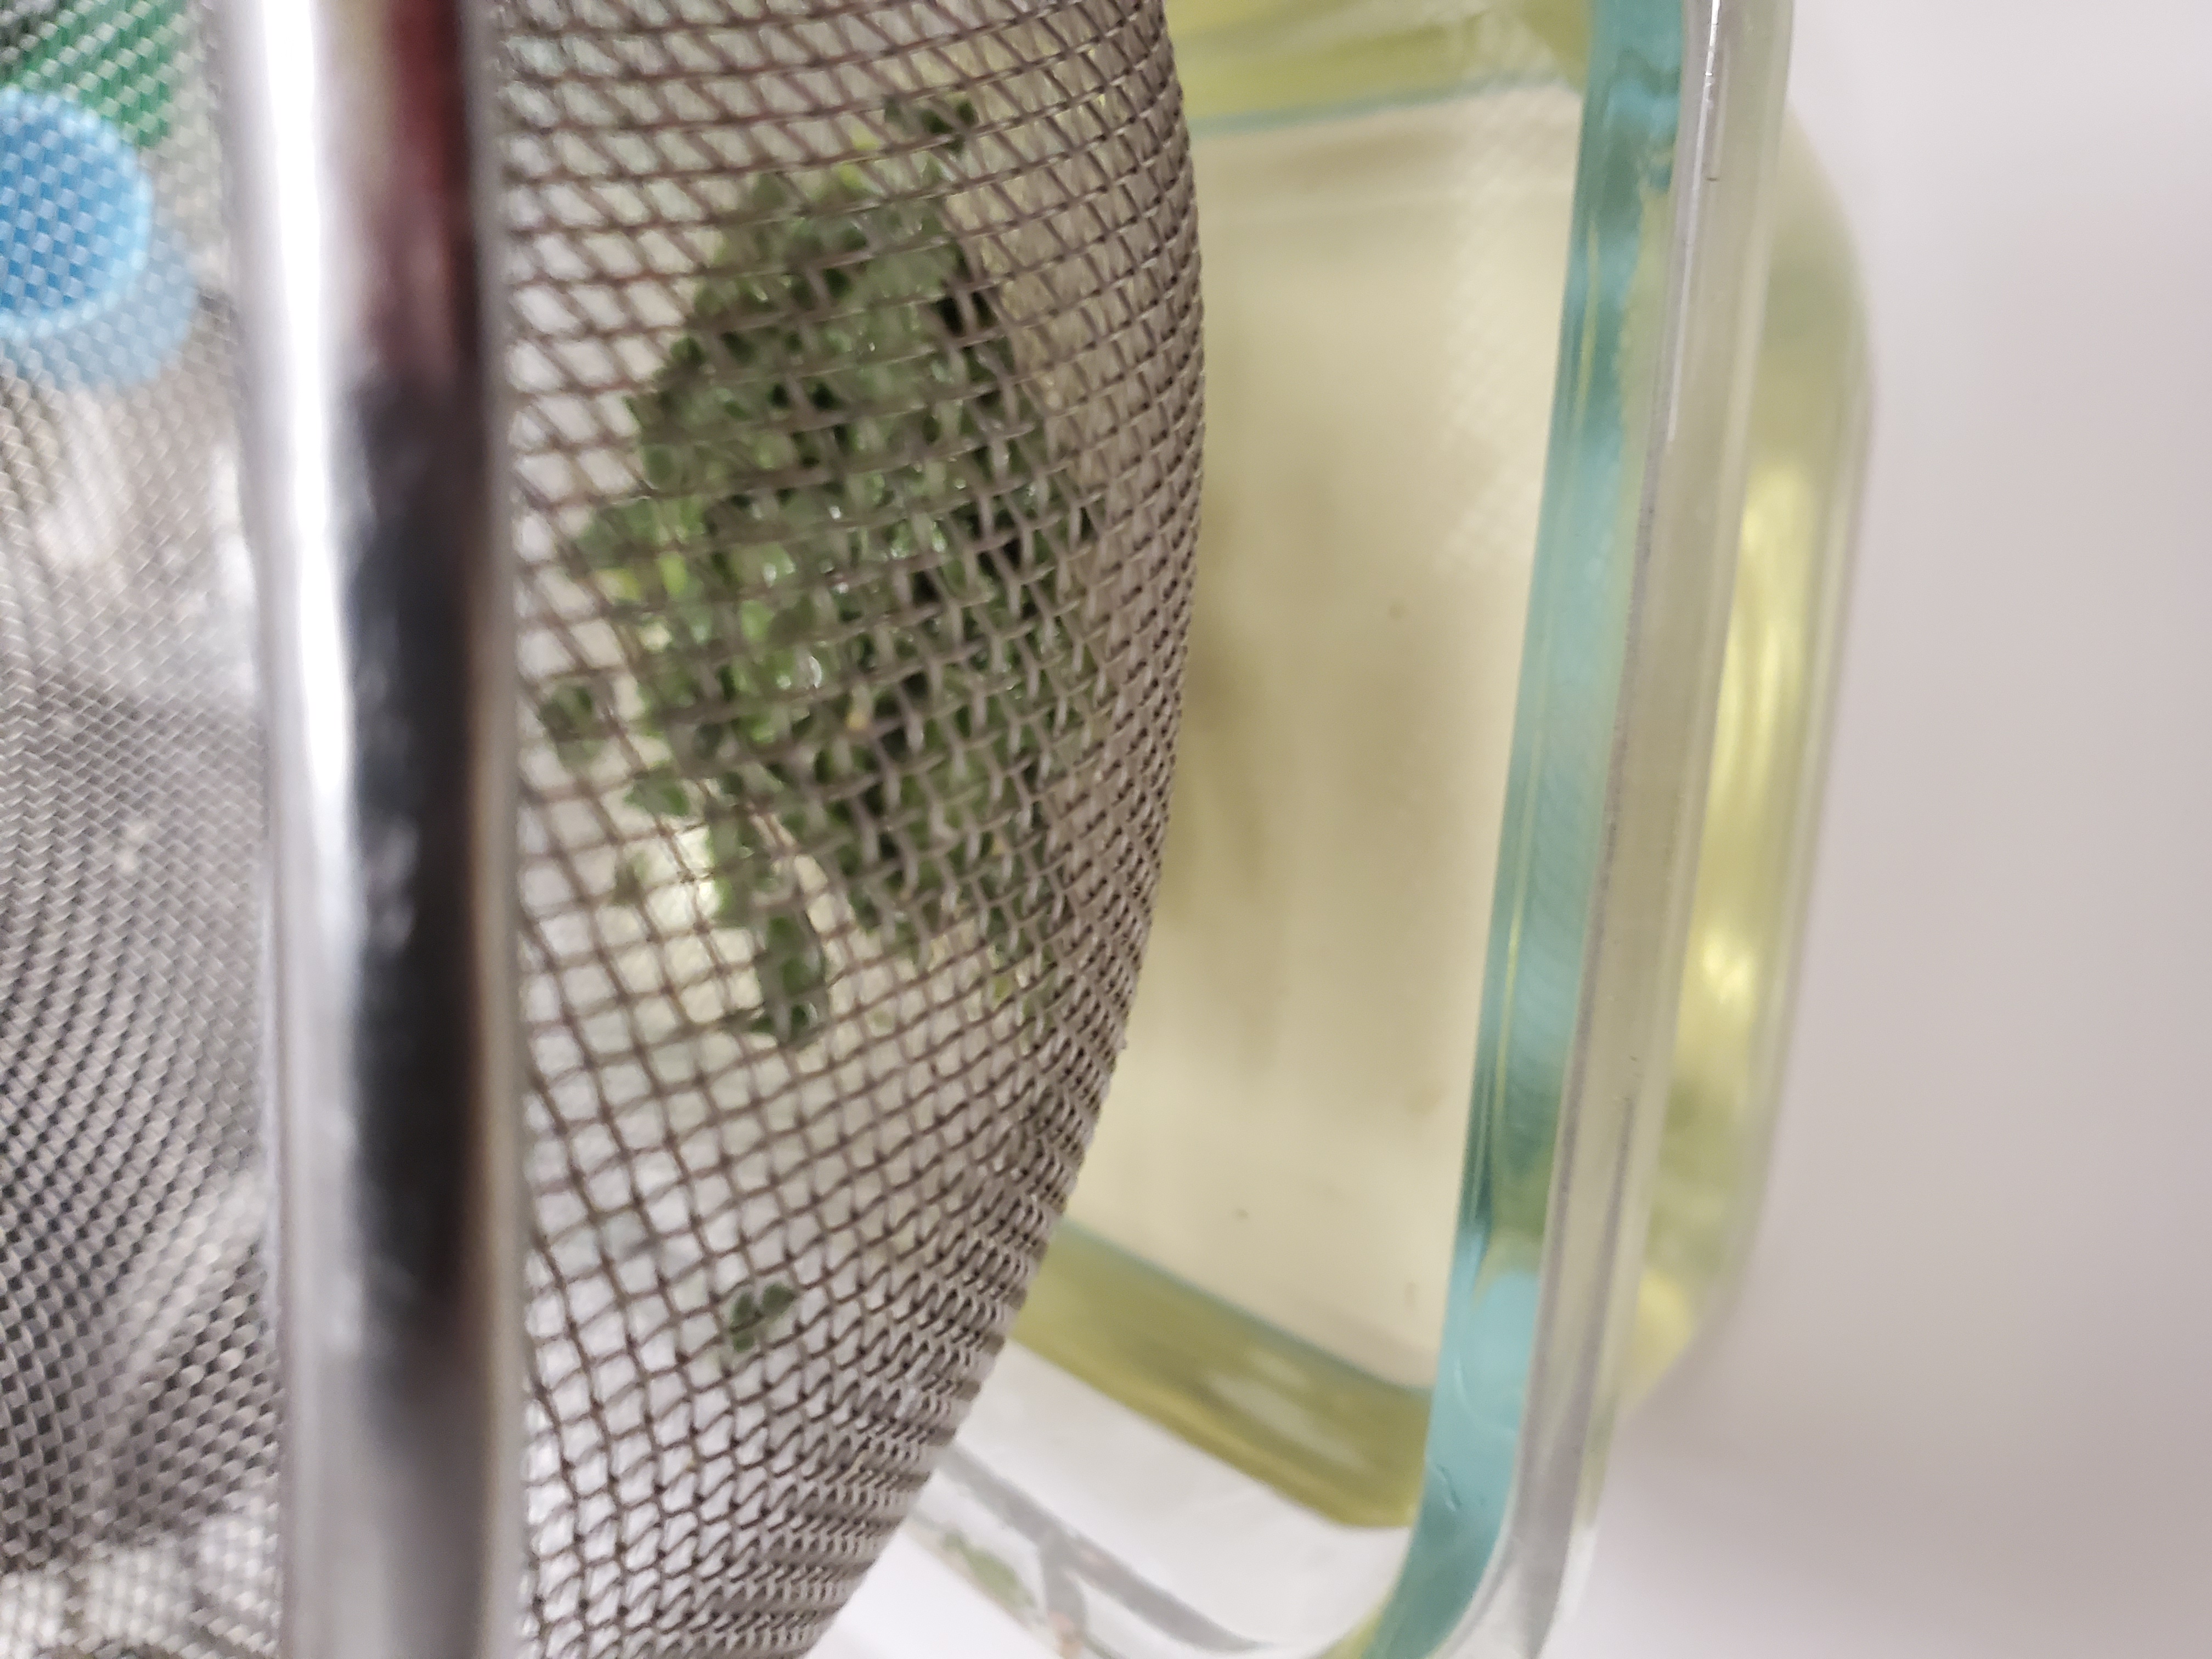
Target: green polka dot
x=114 y=57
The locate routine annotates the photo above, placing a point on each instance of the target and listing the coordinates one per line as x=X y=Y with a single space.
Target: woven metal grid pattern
x=855 y=420
x=857 y=371
x=136 y=1380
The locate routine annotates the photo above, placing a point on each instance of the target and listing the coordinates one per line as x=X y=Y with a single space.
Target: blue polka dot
x=93 y=290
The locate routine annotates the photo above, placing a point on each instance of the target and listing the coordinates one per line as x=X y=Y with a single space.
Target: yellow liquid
x=1326 y=1435
x=1286 y=1126
x=1770 y=739
x=1259 y=1250
x=1264 y=1228
x=1260 y=1246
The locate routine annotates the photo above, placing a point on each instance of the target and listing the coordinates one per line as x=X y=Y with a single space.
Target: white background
x=1965 y=1409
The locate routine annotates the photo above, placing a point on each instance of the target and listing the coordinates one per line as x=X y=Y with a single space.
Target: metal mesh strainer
x=850 y=386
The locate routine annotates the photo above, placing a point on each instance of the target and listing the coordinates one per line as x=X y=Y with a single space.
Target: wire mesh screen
x=855 y=412
x=856 y=359
x=136 y=1380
